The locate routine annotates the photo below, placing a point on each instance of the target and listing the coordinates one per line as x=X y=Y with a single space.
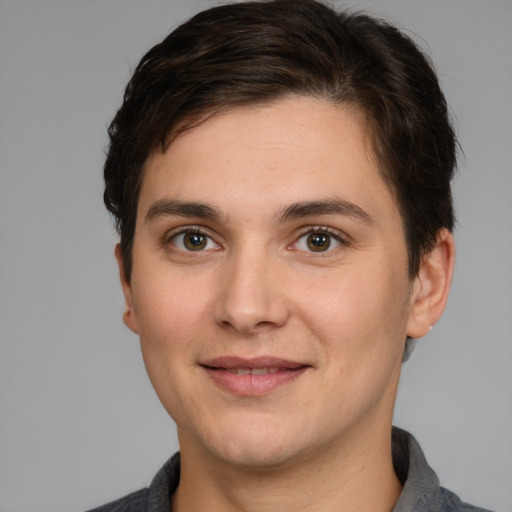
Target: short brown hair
x=254 y=52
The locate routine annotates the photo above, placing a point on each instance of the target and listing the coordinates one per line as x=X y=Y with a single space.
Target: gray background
x=79 y=423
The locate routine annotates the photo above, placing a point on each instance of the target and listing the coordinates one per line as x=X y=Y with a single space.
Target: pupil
x=195 y=241
x=319 y=242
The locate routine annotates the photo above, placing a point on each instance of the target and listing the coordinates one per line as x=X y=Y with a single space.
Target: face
x=270 y=284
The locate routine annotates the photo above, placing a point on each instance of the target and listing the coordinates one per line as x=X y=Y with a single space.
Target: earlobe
x=432 y=286
x=129 y=317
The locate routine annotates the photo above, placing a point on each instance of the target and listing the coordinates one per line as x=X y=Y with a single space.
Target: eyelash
x=306 y=231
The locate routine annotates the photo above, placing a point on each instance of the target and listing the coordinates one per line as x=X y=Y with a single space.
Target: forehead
x=289 y=150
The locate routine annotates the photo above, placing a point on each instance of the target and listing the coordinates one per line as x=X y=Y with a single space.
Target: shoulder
x=134 y=502
x=421 y=491
x=452 y=503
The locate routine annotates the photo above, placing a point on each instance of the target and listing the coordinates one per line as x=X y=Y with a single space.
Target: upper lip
x=230 y=362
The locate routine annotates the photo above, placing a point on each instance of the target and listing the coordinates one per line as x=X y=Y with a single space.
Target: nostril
x=263 y=323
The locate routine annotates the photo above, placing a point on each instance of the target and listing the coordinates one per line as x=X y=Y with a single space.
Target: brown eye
x=192 y=241
x=318 y=242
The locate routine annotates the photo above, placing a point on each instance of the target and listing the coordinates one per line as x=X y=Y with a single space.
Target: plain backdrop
x=79 y=422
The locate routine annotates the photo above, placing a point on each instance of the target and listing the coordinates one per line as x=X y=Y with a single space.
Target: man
x=280 y=178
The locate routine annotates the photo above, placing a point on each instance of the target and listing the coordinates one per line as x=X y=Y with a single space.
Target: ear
x=432 y=285
x=129 y=317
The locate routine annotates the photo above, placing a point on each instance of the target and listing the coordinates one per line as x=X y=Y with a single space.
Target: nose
x=251 y=297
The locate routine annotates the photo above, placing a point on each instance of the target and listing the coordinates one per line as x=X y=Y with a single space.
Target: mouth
x=252 y=377
x=252 y=371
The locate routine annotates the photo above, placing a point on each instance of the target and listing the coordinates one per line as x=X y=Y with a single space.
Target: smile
x=252 y=377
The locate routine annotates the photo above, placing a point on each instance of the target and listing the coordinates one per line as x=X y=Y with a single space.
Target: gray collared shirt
x=421 y=489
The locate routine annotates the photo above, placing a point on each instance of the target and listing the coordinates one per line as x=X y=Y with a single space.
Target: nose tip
x=249 y=320
x=250 y=300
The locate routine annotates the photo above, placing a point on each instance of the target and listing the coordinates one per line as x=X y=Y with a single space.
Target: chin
x=260 y=447
x=258 y=456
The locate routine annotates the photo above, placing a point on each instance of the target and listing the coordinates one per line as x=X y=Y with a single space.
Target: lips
x=253 y=371
x=252 y=377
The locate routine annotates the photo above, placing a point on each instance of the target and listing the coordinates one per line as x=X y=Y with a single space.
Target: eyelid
x=336 y=233
x=187 y=228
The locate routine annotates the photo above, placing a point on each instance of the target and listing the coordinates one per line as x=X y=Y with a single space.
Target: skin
x=256 y=289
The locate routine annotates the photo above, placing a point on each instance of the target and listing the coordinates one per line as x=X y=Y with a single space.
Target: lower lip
x=253 y=385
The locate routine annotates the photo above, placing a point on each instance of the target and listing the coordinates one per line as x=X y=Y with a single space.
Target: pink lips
x=252 y=377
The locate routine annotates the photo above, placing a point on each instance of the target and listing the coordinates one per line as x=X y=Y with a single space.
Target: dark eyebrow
x=325 y=207
x=171 y=207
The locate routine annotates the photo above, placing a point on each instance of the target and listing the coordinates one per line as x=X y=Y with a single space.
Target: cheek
x=171 y=322
x=360 y=313
x=169 y=305
x=172 y=318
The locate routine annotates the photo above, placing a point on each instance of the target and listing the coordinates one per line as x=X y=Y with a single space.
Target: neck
x=350 y=476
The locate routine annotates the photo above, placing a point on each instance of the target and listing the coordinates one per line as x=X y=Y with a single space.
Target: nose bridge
x=251 y=296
